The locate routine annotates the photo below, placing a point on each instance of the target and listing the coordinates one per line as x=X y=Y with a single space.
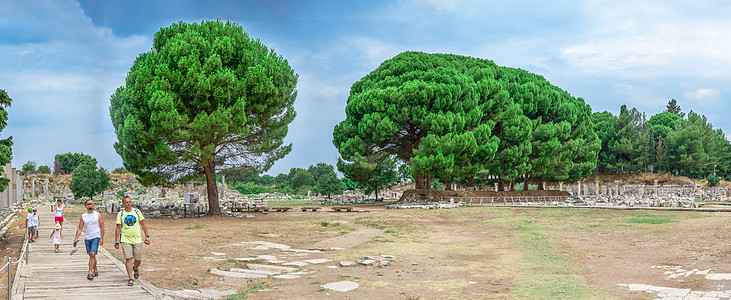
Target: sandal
x=130 y=282
x=90 y=276
x=136 y=272
x=96 y=274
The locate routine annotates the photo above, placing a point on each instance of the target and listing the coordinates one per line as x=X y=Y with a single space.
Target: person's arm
x=78 y=229
x=117 y=235
x=52 y=232
x=144 y=228
x=101 y=228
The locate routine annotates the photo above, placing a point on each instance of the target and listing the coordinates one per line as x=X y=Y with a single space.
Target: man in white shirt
x=93 y=237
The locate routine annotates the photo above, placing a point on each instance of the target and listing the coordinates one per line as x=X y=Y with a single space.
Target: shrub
x=253 y=188
x=713 y=180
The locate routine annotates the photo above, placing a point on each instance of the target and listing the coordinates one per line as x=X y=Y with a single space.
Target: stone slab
x=268 y=268
x=341 y=286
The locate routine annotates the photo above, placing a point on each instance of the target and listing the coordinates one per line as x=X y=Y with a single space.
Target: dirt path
x=356 y=238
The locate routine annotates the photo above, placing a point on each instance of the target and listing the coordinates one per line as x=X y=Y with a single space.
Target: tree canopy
x=206 y=97
x=6 y=152
x=68 y=162
x=453 y=116
x=88 y=180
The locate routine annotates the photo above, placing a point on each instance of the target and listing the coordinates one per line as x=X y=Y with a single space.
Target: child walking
x=56 y=235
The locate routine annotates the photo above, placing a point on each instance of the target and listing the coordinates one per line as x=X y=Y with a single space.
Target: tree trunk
x=428 y=181
x=512 y=186
x=418 y=181
x=501 y=185
x=212 y=189
x=471 y=182
x=447 y=186
x=540 y=183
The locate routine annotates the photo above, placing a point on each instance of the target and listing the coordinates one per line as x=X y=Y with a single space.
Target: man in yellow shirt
x=127 y=233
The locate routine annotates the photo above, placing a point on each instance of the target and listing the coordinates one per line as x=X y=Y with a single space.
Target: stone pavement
x=58 y=275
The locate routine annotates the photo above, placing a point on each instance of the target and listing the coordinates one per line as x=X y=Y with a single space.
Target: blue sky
x=61 y=60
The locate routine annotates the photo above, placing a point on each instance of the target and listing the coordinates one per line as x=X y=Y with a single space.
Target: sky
x=61 y=60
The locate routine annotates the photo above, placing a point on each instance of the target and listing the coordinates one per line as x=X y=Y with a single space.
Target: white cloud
x=60 y=71
x=704 y=94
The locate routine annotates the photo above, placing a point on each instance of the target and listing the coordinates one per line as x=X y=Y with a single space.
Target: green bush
x=252 y=188
x=713 y=180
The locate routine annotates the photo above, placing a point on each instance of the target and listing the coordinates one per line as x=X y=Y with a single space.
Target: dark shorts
x=31 y=230
x=92 y=245
x=59 y=219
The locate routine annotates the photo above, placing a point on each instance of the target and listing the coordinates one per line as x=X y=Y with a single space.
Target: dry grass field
x=463 y=253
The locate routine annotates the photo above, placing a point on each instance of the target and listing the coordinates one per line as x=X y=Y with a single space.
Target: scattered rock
x=237 y=274
x=317 y=261
x=286 y=276
x=337 y=248
x=218 y=253
x=367 y=262
x=384 y=263
x=296 y=263
x=341 y=286
x=267 y=268
x=347 y=263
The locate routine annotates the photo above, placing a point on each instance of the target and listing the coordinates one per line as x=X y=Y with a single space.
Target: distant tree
x=373 y=177
x=300 y=178
x=329 y=184
x=205 y=97
x=673 y=107
x=660 y=125
x=88 y=180
x=68 y=162
x=630 y=147
x=6 y=152
x=28 y=168
x=604 y=123
x=119 y=170
x=404 y=171
x=44 y=170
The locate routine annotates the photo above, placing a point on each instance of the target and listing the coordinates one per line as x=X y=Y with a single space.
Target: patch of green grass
x=246 y=293
x=650 y=219
x=542 y=272
x=196 y=226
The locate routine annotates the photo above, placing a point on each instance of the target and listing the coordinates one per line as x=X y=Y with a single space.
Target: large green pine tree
x=206 y=97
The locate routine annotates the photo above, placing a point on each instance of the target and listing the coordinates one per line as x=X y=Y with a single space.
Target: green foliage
x=252 y=188
x=630 y=147
x=674 y=108
x=119 y=170
x=68 y=162
x=453 y=116
x=426 y=109
x=88 y=180
x=6 y=152
x=349 y=184
x=406 y=173
x=44 y=170
x=372 y=177
x=121 y=193
x=713 y=180
x=28 y=168
x=299 y=178
x=329 y=184
x=206 y=97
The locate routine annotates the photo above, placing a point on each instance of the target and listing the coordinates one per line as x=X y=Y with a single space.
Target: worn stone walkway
x=50 y=275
